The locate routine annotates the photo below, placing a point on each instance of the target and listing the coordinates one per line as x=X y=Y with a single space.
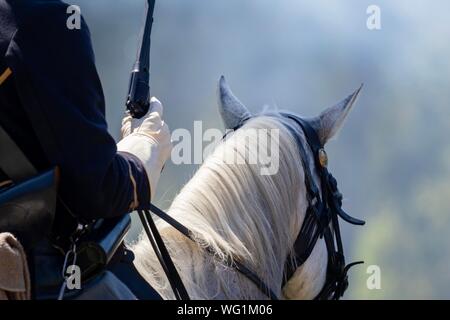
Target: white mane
x=241 y=214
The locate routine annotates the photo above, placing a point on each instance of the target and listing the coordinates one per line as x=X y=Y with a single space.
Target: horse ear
x=233 y=112
x=330 y=121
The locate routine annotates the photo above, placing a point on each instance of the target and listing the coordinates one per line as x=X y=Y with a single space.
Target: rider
x=52 y=105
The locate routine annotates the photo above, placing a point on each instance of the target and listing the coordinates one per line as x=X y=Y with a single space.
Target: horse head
x=242 y=219
x=307 y=279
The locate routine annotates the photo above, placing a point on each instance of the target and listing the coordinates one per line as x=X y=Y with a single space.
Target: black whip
x=138 y=99
x=138 y=103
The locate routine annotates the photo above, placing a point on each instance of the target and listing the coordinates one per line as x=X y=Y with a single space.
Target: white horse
x=243 y=215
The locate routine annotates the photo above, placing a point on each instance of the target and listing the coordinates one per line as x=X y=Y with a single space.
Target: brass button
x=323 y=158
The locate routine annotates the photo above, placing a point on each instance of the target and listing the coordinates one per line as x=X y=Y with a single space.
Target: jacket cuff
x=139 y=180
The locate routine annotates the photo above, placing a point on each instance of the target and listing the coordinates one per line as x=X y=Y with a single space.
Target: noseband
x=321 y=221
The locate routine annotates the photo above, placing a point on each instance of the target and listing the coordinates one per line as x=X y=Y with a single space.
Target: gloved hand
x=148 y=139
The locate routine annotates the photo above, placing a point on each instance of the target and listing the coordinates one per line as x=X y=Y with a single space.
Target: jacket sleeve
x=60 y=89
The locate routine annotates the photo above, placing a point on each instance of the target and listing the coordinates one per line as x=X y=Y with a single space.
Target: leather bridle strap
x=321 y=218
x=253 y=277
x=163 y=256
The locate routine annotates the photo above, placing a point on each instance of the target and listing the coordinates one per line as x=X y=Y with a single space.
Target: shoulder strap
x=13 y=161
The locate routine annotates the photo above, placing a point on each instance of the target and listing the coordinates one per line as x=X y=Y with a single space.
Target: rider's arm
x=60 y=89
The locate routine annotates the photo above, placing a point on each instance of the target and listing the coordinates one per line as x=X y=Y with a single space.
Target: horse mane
x=240 y=214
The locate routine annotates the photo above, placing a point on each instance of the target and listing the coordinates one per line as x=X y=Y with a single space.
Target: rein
x=252 y=276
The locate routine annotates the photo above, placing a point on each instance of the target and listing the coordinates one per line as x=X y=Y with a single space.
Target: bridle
x=321 y=221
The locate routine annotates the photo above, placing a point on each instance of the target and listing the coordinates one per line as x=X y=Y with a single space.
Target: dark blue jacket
x=54 y=108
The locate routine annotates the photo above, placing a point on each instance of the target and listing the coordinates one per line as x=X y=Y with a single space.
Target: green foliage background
x=392 y=159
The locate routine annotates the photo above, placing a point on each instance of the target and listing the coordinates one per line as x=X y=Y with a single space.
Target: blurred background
x=392 y=158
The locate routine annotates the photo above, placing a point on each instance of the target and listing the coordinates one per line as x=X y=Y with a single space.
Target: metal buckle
x=323 y=157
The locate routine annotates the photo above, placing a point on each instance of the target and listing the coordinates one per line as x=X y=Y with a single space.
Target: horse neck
x=239 y=214
x=202 y=274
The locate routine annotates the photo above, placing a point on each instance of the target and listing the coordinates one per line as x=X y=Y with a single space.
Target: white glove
x=148 y=139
